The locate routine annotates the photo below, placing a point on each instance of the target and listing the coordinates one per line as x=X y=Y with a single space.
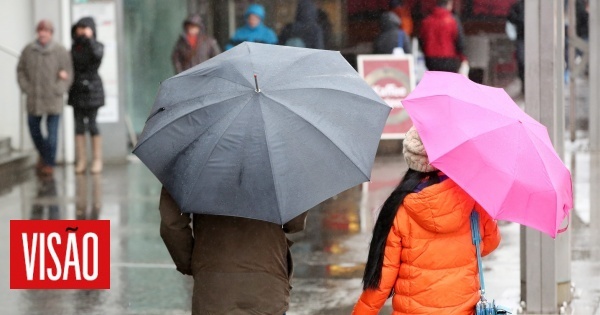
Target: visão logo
x=60 y=254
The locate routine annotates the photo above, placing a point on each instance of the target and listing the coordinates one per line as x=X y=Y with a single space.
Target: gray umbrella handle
x=256 y=82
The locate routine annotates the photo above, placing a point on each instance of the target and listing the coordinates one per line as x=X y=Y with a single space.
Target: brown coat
x=240 y=266
x=37 y=73
x=184 y=57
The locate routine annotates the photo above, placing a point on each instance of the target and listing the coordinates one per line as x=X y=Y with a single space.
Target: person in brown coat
x=240 y=266
x=193 y=46
x=45 y=73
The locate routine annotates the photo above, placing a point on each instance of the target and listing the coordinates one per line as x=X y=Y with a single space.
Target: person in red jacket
x=421 y=252
x=441 y=39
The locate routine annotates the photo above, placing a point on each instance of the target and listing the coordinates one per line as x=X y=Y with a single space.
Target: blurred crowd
x=46 y=70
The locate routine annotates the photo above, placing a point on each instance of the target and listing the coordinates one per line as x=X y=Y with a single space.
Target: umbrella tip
x=256 y=83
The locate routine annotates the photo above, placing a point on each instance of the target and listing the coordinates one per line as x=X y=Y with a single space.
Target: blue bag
x=483 y=307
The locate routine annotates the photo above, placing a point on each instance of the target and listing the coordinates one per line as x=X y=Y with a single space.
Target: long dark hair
x=385 y=220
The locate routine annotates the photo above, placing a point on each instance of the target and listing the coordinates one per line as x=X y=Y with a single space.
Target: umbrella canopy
x=263 y=132
x=498 y=154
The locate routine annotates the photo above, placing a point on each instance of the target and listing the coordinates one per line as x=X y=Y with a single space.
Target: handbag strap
x=476 y=236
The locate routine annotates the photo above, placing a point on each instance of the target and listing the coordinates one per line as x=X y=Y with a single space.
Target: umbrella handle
x=566 y=227
x=256 y=83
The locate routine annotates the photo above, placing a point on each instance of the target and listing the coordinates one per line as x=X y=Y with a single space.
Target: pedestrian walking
x=516 y=16
x=255 y=30
x=391 y=36
x=44 y=73
x=305 y=31
x=239 y=265
x=194 y=46
x=243 y=163
x=404 y=12
x=87 y=93
x=442 y=39
x=421 y=252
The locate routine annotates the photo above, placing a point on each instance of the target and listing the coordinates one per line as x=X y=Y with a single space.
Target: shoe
x=47 y=170
x=40 y=163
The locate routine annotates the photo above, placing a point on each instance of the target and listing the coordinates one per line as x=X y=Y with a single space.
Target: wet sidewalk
x=329 y=255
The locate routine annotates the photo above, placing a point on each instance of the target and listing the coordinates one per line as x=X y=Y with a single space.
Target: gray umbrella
x=263 y=132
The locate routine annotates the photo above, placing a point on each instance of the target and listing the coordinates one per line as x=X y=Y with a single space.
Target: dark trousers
x=45 y=146
x=521 y=61
x=85 y=120
x=443 y=64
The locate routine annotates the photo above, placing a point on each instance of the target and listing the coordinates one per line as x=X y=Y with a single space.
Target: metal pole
x=232 y=17
x=594 y=117
x=572 y=22
x=543 y=273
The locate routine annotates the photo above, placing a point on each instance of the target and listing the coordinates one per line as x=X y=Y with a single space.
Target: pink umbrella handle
x=566 y=227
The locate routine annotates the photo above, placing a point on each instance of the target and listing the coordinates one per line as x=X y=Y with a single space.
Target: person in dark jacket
x=193 y=46
x=240 y=266
x=442 y=39
x=325 y=24
x=516 y=16
x=255 y=30
x=391 y=36
x=87 y=92
x=305 y=31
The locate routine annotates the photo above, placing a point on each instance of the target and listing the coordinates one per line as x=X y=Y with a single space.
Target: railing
x=16 y=55
x=9 y=52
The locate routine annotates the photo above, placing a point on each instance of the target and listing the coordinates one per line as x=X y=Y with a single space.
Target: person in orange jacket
x=421 y=252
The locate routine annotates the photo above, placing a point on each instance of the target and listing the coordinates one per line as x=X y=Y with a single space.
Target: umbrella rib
x=213 y=76
x=501 y=209
x=286 y=68
x=271 y=164
x=320 y=131
x=213 y=150
x=433 y=96
x=197 y=109
x=329 y=89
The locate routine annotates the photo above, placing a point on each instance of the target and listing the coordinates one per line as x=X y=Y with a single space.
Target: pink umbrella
x=498 y=154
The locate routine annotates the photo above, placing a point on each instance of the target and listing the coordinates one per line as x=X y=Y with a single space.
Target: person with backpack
x=391 y=36
x=255 y=30
x=305 y=31
x=421 y=252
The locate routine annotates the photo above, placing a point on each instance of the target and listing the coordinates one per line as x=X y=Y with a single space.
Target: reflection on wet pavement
x=329 y=256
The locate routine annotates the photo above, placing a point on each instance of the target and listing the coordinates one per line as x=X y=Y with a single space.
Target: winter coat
x=390 y=35
x=259 y=34
x=37 y=74
x=430 y=261
x=87 y=91
x=184 y=56
x=441 y=35
x=405 y=15
x=306 y=27
x=240 y=266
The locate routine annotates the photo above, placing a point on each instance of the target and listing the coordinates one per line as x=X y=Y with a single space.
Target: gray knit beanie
x=414 y=152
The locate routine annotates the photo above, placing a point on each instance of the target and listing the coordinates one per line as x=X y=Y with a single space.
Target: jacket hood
x=306 y=12
x=257 y=10
x=194 y=19
x=440 y=208
x=389 y=21
x=84 y=22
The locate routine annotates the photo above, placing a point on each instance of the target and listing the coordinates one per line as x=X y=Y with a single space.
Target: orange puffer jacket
x=430 y=260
